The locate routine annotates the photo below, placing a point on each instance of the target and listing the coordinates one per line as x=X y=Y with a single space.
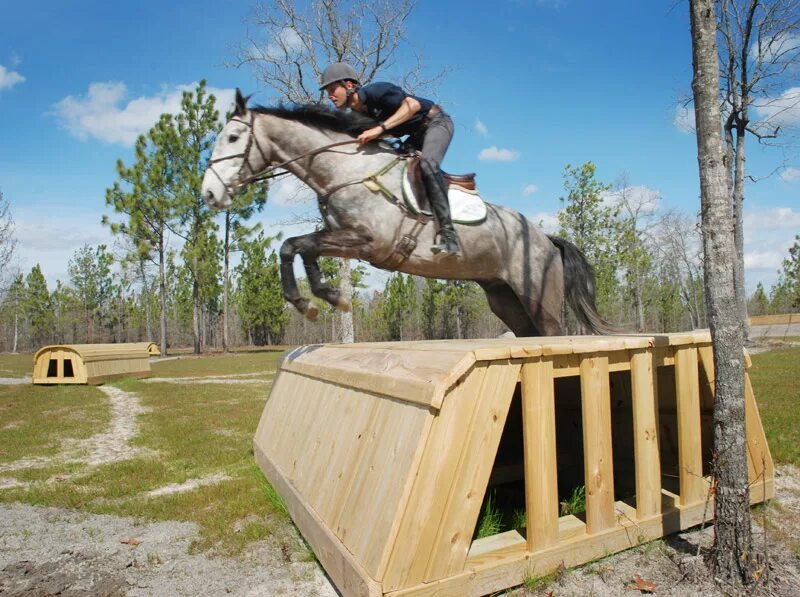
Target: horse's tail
x=579 y=287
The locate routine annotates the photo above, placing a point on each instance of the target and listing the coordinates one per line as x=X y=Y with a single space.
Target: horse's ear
x=241 y=103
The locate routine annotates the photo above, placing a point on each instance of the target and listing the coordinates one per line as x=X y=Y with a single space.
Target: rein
x=267 y=171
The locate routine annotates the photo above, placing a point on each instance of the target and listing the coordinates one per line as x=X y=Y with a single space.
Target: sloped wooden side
x=439 y=520
x=98 y=372
x=349 y=455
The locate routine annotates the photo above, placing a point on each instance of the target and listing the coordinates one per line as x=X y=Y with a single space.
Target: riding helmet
x=338 y=71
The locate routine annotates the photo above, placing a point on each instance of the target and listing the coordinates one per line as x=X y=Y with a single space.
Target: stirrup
x=447 y=245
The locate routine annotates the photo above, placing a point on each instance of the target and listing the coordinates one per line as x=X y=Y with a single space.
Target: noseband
x=268 y=171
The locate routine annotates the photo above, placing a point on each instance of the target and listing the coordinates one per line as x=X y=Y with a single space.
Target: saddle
x=466 y=205
x=465 y=181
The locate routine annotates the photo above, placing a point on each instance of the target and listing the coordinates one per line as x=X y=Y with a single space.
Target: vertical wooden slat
x=690 y=450
x=645 y=434
x=597 y=454
x=539 y=437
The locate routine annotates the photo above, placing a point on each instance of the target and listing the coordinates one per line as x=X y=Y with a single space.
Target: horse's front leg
x=291 y=292
x=347 y=243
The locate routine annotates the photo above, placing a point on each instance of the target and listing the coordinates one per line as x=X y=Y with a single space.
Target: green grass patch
x=491 y=520
x=774 y=375
x=35 y=420
x=217 y=364
x=575 y=502
x=187 y=432
x=16 y=365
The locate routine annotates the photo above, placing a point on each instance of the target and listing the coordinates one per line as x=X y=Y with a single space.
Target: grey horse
x=524 y=273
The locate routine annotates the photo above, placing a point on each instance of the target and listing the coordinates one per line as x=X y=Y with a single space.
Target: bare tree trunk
x=346 y=330
x=226 y=281
x=16 y=331
x=197 y=347
x=148 y=327
x=738 y=227
x=733 y=537
x=162 y=292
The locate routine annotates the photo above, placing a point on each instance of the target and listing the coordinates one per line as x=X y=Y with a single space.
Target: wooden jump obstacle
x=91 y=364
x=384 y=453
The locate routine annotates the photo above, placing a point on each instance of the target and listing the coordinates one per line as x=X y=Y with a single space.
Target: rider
x=430 y=130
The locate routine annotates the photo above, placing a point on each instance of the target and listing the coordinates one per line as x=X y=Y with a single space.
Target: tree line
x=648 y=267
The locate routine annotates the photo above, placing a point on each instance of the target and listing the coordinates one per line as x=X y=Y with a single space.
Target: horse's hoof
x=343 y=305
x=311 y=313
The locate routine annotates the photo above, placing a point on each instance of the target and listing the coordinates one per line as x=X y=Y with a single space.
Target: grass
x=35 y=420
x=16 y=365
x=575 y=503
x=218 y=364
x=186 y=432
x=491 y=520
x=774 y=375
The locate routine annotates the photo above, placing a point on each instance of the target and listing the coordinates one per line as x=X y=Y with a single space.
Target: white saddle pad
x=466 y=207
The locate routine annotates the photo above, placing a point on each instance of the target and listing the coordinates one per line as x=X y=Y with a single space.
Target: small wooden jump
x=91 y=364
x=384 y=453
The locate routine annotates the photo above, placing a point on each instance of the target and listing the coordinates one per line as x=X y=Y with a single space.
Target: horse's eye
x=233 y=138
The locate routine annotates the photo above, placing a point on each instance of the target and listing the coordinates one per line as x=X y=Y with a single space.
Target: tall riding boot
x=440 y=206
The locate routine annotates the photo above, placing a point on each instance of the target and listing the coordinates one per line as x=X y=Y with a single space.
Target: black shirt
x=384 y=99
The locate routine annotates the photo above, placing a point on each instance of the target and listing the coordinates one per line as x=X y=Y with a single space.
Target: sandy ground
x=47 y=551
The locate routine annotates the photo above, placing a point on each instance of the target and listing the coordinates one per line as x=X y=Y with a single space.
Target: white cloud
x=9 y=78
x=493 y=154
x=530 y=190
x=791 y=174
x=777 y=49
x=781 y=111
x=289 y=191
x=104 y=114
x=768 y=234
x=771 y=219
x=642 y=199
x=548 y=221
x=51 y=242
x=481 y=128
x=287 y=43
x=684 y=119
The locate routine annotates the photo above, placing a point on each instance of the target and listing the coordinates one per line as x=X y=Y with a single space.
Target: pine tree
x=90 y=275
x=259 y=296
x=591 y=224
x=37 y=308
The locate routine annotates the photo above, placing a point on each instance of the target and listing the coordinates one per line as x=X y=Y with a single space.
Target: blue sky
x=532 y=86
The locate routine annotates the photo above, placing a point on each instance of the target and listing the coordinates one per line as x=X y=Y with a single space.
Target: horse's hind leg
x=505 y=304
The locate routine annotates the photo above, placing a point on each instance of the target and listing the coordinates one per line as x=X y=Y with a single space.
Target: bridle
x=268 y=171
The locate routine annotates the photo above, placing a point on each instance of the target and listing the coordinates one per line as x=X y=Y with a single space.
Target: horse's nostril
x=209 y=195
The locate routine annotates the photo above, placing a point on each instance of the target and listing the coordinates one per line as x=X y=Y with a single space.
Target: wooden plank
x=344 y=570
x=539 y=439
x=690 y=452
x=380 y=487
x=433 y=480
x=644 y=389
x=597 y=455
x=461 y=513
x=495 y=544
x=409 y=375
x=490 y=573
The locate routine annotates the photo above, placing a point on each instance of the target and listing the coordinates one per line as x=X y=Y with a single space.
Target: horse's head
x=237 y=158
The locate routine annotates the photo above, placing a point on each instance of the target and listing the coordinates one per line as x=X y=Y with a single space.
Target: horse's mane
x=317 y=115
